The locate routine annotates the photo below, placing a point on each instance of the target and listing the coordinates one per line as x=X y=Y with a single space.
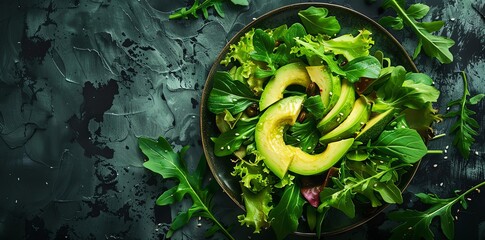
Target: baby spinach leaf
x=367 y=67
x=433 y=46
x=316 y=21
x=230 y=141
x=264 y=49
x=296 y=30
x=229 y=94
x=164 y=161
x=416 y=224
x=465 y=127
x=403 y=143
x=286 y=213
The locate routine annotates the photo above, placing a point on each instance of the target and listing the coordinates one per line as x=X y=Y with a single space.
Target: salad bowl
x=350 y=21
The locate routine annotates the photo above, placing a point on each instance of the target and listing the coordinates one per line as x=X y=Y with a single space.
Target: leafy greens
x=465 y=128
x=164 y=161
x=416 y=224
x=433 y=46
x=203 y=7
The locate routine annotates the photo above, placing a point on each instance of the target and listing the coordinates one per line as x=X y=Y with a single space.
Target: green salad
x=314 y=120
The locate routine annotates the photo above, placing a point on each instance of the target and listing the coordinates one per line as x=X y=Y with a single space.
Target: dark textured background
x=81 y=80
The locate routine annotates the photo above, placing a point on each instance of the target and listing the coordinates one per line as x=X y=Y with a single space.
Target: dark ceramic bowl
x=350 y=21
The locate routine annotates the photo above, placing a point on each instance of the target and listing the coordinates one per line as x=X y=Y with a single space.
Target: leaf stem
x=438 y=136
x=471 y=189
x=434 y=152
x=206 y=209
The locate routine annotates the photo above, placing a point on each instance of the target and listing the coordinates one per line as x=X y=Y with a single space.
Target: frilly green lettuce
x=349 y=46
x=258 y=206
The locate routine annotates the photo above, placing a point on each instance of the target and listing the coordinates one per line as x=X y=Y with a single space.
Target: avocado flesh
x=340 y=111
x=328 y=84
x=322 y=78
x=290 y=74
x=307 y=164
x=352 y=124
x=375 y=126
x=269 y=133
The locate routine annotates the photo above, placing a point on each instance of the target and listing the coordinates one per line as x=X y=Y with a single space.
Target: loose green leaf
x=230 y=141
x=362 y=67
x=314 y=105
x=416 y=224
x=417 y=11
x=403 y=143
x=465 y=127
x=392 y=22
x=397 y=92
x=203 y=7
x=304 y=135
x=257 y=209
x=310 y=48
x=229 y=94
x=433 y=46
x=349 y=46
x=316 y=21
x=164 y=161
x=286 y=213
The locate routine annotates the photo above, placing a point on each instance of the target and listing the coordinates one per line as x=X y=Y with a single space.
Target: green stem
x=471 y=190
x=434 y=152
x=223 y=229
x=438 y=136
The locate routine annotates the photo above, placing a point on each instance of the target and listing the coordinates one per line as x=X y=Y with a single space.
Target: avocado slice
x=269 y=132
x=352 y=124
x=290 y=74
x=329 y=85
x=307 y=164
x=340 y=111
x=375 y=126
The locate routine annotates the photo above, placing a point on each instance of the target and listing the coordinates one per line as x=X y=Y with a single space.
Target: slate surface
x=81 y=80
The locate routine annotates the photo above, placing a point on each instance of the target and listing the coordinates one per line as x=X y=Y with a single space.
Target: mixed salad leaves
x=387 y=138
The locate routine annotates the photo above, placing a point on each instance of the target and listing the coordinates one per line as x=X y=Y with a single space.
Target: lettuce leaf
x=349 y=46
x=258 y=206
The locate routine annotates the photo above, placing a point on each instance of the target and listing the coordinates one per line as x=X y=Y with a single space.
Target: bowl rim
x=214 y=69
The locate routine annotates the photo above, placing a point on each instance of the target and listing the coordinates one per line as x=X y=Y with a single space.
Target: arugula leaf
x=403 y=143
x=367 y=67
x=286 y=213
x=164 y=161
x=433 y=46
x=304 y=135
x=310 y=48
x=465 y=128
x=349 y=46
x=392 y=22
x=314 y=105
x=416 y=224
x=316 y=21
x=203 y=7
x=230 y=141
x=229 y=94
x=398 y=92
x=365 y=178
